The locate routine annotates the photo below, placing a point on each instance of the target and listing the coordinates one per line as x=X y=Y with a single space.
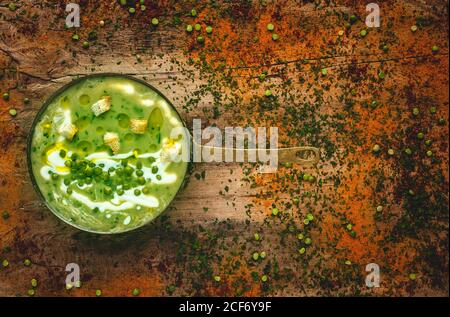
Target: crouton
x=101 y=106
x=112 y=140
x=68 y=130
x=138 y=126
x=171 y=151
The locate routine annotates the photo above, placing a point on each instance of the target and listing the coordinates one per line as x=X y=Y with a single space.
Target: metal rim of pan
x=44 y=107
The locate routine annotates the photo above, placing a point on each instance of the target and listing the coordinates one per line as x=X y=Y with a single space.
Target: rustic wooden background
x=209 y=228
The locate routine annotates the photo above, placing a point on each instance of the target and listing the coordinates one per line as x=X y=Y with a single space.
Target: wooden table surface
x=341 y=92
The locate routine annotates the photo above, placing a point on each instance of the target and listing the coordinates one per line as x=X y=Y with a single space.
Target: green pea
x=189 y=28
x=256 y=237
x=433 y=110
x=200 y=39
x=120 y=192
x=132 y=10
x=55 y=176
x=408 y=151
x=141 y=180
x=275 y=211
x=31 y=292
x=310 y=217
x=255 y=256
x=145 y=190
x=381 y=75
x=98 y=171
x=155 y=21
x=98 y=292
x=12 y=112
x=27 y=262
x=69 y=191
x=5 y=215
x=155 y=169
x=139 y=173
x=363 y=33
x=324 y=71
x=194 y=12
x=209 y=29
x=302 y=250
x=217 y=278
x=429 y=153
x=428 y=142
x=137 y=192
x=415 y=111
x=128 y=170
x=275 y=37
x=300 y=236
x=414 y=28
x=268 y=93
x=108 y=190
x=270 y=27
x=353 y=18
x=6 y=96
x=136 y=292
x=262 y=255
x=158 y=177
x=88 y=171
x=197 y=27
x=435 y=49
x=34 y=282
x=75 y=37
x=264 y=278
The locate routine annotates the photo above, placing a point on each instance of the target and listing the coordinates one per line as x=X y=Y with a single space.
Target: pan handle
x=302 y=155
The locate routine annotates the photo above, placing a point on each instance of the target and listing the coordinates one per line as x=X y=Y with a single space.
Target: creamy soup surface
x=103 y=155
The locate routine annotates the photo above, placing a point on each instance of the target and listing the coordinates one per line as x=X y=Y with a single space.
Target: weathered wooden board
x=209 y=229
